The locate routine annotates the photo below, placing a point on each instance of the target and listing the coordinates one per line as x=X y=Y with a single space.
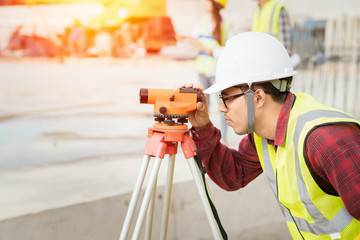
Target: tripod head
x=170 y=104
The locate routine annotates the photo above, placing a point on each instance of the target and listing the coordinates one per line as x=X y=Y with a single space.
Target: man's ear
x=259 y=97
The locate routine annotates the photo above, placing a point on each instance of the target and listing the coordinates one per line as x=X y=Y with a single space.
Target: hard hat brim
x=218 y=88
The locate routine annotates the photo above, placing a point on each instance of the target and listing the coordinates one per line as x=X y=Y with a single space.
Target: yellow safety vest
x=266 y=19
x=205 y=63
x=310 y=213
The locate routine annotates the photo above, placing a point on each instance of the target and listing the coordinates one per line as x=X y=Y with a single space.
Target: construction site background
x=72 y=130
x=81 y=30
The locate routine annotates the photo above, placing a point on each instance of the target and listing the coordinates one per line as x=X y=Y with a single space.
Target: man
x=271 y=17
x=309 y=152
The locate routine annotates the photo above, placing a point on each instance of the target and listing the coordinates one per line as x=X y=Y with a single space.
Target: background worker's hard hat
x=221 y=2
x=251 y=57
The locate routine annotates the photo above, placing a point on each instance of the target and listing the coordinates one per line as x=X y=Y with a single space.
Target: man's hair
x=216 y=16
x=270 y=89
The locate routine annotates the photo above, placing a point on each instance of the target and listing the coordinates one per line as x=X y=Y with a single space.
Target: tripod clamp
x=162 y=141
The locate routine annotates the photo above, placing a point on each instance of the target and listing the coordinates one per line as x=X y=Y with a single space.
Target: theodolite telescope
x=171 y=104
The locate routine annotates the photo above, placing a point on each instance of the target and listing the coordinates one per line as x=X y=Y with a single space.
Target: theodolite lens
x=144 y=95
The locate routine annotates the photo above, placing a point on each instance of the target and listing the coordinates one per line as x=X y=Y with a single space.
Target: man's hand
x=200 y=117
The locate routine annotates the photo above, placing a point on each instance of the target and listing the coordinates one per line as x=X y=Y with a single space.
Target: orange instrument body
x=170 y=104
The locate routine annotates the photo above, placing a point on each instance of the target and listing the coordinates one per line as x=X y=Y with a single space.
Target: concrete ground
x=71 y=143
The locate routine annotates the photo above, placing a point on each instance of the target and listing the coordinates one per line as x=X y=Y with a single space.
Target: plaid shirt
x=333 y=153
x=285 y=31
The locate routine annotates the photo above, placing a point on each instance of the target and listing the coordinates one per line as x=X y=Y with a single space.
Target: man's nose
x=222 y=107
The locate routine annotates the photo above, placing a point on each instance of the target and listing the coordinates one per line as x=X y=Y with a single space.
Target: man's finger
x=200 y=106
x=188 y=85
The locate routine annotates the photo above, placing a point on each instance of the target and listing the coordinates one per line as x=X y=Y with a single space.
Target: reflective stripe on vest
x=321 y=225
x=266 y=19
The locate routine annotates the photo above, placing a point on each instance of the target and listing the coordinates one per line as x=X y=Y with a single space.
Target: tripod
x=160 y=142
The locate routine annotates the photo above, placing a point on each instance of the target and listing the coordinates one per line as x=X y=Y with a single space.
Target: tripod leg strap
x=213 y=208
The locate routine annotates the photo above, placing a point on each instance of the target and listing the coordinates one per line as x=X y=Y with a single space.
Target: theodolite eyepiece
x=171 y=103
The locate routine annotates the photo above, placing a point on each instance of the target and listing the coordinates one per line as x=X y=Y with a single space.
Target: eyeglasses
x=224 y=99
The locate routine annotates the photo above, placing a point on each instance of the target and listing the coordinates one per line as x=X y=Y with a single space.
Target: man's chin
x=239 y=132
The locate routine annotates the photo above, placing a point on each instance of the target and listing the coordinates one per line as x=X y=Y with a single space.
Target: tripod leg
x=150 y=214
x=200 y=186
x=146 y=200
x=167 y=197
x=134 y=198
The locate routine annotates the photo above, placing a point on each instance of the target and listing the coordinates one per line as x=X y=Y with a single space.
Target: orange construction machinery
x=141 y=23
x=123 y=26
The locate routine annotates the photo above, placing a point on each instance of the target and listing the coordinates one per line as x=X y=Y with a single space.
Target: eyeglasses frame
x=224 y=99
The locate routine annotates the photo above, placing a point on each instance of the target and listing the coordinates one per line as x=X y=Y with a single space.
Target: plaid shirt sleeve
x=229 y=168
x=334 y=155
x=285 y=30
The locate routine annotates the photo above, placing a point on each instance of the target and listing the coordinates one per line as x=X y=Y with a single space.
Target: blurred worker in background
x=212 y=31
x=310 y=152
x=271 y=17
x=78 y=41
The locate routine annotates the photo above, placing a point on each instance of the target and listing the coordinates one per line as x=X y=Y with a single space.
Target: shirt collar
x=283 y=119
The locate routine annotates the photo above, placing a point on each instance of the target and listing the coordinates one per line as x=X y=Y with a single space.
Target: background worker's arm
x=195 y=44
x=285 y=31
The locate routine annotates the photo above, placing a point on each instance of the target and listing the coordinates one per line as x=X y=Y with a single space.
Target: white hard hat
x=251 y=57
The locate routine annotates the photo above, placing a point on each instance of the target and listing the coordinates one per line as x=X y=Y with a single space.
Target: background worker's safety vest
x=205 y=63
x=310 y=213
x=266 y=19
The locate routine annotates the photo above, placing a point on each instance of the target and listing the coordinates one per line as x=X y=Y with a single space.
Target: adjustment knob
x=169 y=122
x=162 y=110
x=182 y=120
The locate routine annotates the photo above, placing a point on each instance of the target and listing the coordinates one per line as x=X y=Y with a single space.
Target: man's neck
x=266 y=127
